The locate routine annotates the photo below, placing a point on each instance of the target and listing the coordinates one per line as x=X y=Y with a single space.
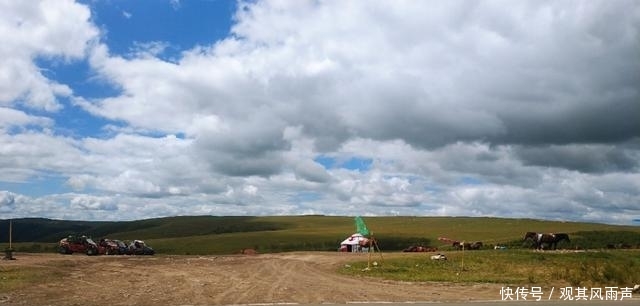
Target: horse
x=248 y=252
x=467 y=246
x=418 y=248
x=552 y=239
x=366 y=242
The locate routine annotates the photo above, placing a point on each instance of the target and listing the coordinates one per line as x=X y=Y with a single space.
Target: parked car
x=78 y=244
x=138 y=247
x=123 y=249
x=108 y=247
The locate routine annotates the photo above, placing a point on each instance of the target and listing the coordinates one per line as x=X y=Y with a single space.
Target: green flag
x=361 y=227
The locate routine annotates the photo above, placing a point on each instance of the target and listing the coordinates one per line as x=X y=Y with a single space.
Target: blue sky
x=181 y=24
x=122 y=110
x=176 y=25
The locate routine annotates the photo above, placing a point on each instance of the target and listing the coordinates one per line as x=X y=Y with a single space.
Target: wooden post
x=8 y=253
x=375 y=246
x=369 y=251
x=462 y=264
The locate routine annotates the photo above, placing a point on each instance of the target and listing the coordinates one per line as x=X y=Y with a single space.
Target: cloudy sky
x=124 y=110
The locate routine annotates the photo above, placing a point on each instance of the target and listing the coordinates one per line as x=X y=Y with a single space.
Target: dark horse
x=539 y=239
x=467 y=246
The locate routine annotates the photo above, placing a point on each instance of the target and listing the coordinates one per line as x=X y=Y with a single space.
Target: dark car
x=123 y=249
x=138 y=247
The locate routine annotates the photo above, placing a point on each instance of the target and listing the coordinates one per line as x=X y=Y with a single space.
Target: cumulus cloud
x=311 y=171
x=582 y=157
x=84 y=202
x=48 y=29
x=24 y=155
x=7 y=199
x=461 y=109
x=473 y=72
x=12 y=118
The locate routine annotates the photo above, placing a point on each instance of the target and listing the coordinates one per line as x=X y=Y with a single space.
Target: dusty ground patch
x=300 y=277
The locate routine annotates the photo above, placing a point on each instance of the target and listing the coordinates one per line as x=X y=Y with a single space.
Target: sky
x=128 y=110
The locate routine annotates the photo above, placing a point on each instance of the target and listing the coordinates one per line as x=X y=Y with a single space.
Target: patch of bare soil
x=300 y=277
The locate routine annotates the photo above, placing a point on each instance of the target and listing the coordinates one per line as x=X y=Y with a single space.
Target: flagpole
x=10 y=232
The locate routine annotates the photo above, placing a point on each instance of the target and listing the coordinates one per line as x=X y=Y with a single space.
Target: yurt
x=355 y=243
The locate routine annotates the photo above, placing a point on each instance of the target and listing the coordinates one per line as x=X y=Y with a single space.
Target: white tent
x=354 y=243
x=354 y=239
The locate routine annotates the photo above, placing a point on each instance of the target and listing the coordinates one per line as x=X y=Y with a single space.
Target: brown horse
x=418 y=248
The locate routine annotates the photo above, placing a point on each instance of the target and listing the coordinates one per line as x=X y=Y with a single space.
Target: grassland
x=205 y=235
x=514 y=267
x=12 y=277
x=202 y=235
x=318 y=233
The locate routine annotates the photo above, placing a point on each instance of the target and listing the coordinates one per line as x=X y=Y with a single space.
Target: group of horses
x=550 y=239
x=540 y=241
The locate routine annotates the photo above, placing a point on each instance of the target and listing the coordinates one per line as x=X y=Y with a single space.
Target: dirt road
x=301 y=277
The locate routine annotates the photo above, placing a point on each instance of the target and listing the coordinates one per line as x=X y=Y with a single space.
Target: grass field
x=202 y=235
x=13 y=277
x=393 y=233
x=518 y=264
x=514 y=267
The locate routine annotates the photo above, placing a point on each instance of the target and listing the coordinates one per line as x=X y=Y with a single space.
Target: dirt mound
x=304 y=277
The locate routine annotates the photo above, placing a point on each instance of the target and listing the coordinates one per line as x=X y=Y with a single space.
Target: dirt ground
x=300 y=277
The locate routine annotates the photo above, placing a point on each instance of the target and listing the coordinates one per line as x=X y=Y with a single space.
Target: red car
x=108 y=247
x=78 y=244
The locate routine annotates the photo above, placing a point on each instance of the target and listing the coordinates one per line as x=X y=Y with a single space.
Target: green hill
x=222 y=235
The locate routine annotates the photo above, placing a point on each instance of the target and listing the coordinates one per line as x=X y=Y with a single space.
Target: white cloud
x=7 y=199
x=25 y=155
x=463 y=109
x=32 y=29
x=84 y=202
x=311 y=171
x=12 y=118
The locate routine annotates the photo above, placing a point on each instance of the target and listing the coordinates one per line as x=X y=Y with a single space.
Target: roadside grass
x=510 y=267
